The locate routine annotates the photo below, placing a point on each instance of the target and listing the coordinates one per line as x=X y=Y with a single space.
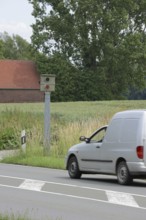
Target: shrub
x=8 y=139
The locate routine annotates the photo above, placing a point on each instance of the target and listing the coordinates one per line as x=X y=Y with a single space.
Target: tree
x=66 y=73
x=14 y=47
x=1 y=49
x=105 y=41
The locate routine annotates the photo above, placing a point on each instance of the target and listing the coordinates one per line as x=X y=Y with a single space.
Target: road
x=49 y=194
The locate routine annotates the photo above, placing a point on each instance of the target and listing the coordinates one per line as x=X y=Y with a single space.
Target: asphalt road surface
x=49 y=194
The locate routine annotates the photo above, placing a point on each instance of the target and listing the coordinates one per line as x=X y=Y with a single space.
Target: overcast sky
x=16 y=18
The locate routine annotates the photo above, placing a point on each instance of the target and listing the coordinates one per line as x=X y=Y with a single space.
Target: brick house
x=19 y=82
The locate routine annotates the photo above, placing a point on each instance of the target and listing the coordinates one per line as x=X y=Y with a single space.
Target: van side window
x=98 y=137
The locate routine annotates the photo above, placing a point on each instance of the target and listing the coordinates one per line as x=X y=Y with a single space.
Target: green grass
x=19 y=217
x=38 y=161
x=69 y=120
x=11 y=216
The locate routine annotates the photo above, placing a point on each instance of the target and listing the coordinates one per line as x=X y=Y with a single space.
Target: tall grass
x=13 y=217
x=25 y=216
x=68 y=121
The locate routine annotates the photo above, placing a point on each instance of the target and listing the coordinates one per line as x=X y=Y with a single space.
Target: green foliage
x=1 y=49
x=12 y=122
x=100 y=46
x=14 y=47
x=8 y=139
x=66 y=76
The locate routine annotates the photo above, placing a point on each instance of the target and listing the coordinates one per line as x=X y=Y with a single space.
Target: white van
x=119 y=148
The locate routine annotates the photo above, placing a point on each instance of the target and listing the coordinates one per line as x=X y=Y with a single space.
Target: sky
x=16 y=18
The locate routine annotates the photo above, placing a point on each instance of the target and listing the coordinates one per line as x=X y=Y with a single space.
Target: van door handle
x=97 y=146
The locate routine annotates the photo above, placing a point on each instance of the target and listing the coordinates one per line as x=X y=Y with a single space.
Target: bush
x=8 y=139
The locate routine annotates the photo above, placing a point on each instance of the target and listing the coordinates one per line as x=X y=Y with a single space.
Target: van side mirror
x=83 y=138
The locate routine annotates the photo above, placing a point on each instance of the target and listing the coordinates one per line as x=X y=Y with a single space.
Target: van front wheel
x=123 y=175
x=73 y=168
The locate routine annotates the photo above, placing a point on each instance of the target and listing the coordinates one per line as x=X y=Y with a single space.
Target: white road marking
x=121 y=198
x=32 y=185
x=70 y=185
x=70 y=196
x=114 y=197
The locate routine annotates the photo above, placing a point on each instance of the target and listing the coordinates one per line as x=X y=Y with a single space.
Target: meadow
x=69 y=120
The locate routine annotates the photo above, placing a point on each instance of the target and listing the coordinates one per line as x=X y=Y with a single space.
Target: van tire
x=73 y=168
x=123 y=175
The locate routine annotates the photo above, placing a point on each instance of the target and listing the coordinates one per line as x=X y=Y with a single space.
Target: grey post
x=47 y=85
x=47 y=124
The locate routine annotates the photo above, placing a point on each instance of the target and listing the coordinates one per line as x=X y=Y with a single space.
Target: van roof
x=135 y=113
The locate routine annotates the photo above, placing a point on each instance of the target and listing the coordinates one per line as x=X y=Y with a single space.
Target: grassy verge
x=12 y=217
x=68 y=121
x=38 y=161
x=19 y=217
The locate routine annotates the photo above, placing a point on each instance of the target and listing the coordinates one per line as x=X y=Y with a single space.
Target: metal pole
x=47 y=124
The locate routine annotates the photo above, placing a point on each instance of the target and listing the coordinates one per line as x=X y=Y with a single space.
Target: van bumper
x=137 y=169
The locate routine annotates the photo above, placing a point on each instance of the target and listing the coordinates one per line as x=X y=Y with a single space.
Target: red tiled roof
x=16 y=74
